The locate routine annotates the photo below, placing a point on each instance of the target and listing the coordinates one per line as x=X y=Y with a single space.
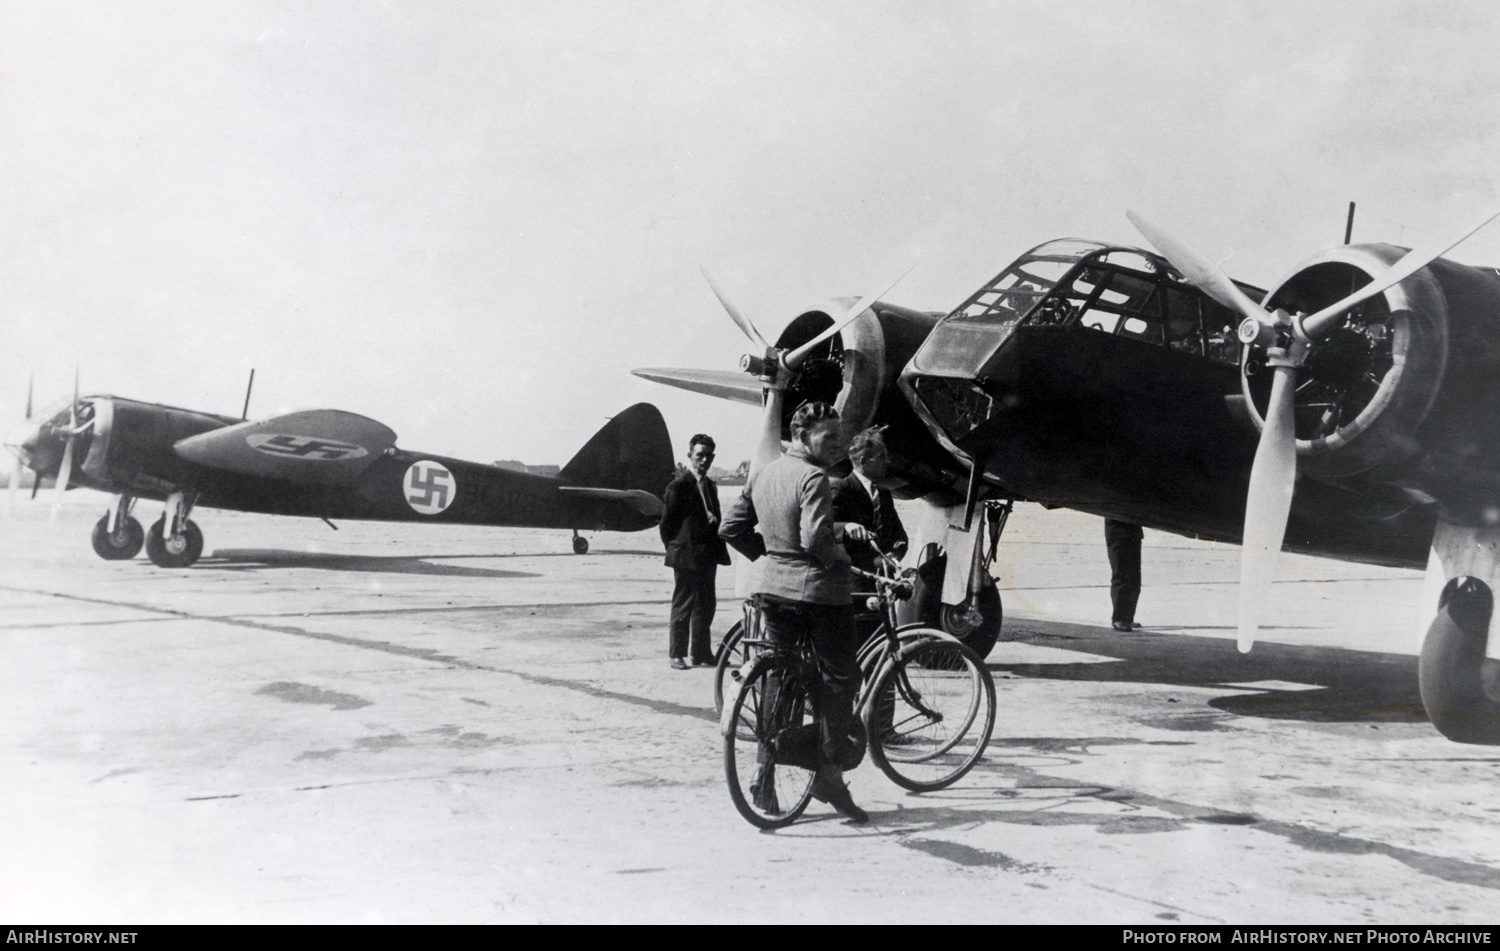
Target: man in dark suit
x=690 y=530
x=1123 y=541
x=859 y=498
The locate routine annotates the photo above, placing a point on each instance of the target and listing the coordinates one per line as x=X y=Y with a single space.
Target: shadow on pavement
x=254 y=559
x=1354 y=686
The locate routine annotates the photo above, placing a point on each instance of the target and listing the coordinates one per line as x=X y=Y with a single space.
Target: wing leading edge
x=723 y=384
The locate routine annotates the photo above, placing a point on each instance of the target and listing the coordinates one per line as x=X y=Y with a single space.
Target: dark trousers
x=830 y=627
x=693 y=605
x=1123 y=540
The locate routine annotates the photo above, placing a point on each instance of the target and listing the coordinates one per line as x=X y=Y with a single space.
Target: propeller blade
x=731 y=385
x=64 y=473
x=1413 y=261
x=794 y=359
x=15 y=487
x=735 y=314
x=768 y=450
x=1268 y=504
x=1199 y=270
x=29 y=381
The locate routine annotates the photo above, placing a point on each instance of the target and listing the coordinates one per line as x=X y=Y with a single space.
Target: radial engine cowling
x=1406 y=389
x=856 y=370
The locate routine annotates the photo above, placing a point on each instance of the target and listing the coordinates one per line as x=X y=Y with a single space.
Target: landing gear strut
x=117 y=536
x=977 y=620
x=174 y=541
x=580 y=544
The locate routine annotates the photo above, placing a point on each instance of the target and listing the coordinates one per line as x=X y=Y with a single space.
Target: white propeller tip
x=1245 y=643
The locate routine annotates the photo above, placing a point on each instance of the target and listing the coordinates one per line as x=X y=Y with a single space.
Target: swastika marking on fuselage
x=429 y=487
x=304 y=447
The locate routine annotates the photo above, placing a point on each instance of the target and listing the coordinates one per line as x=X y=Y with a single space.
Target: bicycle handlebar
x=899 y=588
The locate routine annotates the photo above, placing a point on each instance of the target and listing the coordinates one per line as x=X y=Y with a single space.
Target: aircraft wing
x=314 y=447
x=724 y=384
x=644 y=502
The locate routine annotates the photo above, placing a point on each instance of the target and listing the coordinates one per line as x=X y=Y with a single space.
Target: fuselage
x=1090 y=377
x=127 y=448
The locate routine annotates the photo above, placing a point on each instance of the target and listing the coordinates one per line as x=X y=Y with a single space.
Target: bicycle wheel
x=770 y=744
x=732 y=657
x=930 y=714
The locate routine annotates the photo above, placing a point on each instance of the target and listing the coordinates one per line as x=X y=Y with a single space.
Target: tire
x=179 y=555
x=580 y=545
x=766 y=729
x=121 y=545
x=731 y=659
x=930 y=714
x=978 y=638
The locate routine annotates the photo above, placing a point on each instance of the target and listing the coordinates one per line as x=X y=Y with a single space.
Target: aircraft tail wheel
x=980 y=633
x=580 y=545
x=179 y=551
x=122 y=544
x=1460 y=686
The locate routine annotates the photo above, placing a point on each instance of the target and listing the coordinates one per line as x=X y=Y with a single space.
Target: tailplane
x=631 y=452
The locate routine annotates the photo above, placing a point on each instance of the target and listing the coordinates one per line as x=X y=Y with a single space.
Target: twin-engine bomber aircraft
x=326 y=464
x=1352 y=411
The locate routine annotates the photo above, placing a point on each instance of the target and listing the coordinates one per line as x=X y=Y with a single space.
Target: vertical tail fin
x=632 y=451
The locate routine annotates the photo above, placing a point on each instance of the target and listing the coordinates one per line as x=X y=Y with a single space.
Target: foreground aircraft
x=1352 y=411
x=325 y=464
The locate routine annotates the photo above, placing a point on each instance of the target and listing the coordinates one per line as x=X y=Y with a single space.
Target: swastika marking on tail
x=429 y=487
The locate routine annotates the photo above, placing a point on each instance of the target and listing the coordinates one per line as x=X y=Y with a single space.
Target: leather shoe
x=1123 y=626
x=837 y=796
x=679 y=664
x=705 y=662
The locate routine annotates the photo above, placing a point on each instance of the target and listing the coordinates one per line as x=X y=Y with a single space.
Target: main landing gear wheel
x=580 y=545
x=123 y=544
x=979 y=638
x=177 y=552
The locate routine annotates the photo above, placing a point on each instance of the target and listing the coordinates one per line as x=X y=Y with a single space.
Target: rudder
x=631 y=451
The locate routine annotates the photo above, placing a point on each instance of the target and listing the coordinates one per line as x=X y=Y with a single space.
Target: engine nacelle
x=1406 y=390
x=856 y=370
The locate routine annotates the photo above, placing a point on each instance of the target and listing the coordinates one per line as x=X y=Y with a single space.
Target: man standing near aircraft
x=786 y=514
x=690 y=530
x=1123 y=540
x=859 y=498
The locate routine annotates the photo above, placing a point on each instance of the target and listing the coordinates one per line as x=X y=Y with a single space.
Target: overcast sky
x=470 y=221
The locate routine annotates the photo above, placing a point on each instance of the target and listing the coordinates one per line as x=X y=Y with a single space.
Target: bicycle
x=924 y=712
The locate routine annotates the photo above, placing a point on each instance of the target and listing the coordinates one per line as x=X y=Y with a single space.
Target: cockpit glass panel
x=1117 y=291
x=1018 y=289
x=1101 y=320
x=1130 y=259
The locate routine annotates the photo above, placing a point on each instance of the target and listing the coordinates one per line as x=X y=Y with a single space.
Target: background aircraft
x=1115 y=381
x=327 y=464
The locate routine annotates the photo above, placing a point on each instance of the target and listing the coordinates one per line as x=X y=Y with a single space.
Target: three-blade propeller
x=1273 y=474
